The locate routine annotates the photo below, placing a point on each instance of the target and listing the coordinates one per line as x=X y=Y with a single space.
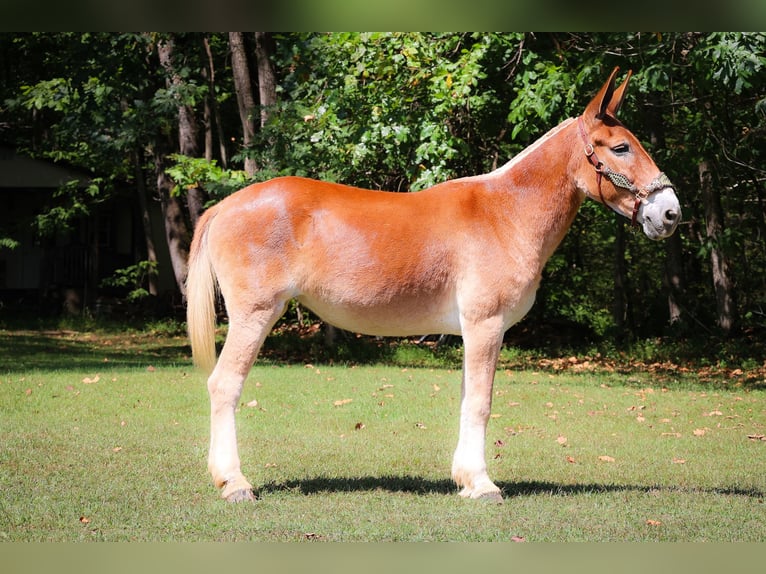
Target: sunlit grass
x=107 y=440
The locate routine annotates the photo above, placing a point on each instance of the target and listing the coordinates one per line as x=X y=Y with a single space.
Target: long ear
x=599 y=105
x=619 y=94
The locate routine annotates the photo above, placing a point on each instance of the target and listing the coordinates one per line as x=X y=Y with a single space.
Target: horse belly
x=397 y=317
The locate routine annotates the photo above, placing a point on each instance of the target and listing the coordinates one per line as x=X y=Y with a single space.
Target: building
x=65 y=272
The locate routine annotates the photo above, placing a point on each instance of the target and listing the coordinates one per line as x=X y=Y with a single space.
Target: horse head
x=617 y=171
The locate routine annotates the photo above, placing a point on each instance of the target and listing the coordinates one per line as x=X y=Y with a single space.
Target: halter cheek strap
x=618 y=179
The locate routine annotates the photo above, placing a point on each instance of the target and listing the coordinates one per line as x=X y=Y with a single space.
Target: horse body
x=463 y=257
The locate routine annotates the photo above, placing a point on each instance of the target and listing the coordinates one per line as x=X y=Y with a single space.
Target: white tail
x=200 y=298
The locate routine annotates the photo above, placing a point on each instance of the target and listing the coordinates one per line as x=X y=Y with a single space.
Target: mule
x=464 y=257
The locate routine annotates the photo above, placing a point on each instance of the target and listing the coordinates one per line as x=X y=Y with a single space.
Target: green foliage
x=387 y=111
x=8 y=243
x=132 y=278
x=402 y=111
x=190 y=172
x=734 y=61
x=71 y=201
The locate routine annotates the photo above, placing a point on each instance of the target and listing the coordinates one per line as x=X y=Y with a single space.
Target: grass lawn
x=104 y=437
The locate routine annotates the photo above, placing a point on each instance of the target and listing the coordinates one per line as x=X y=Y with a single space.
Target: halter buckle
x=643 y=194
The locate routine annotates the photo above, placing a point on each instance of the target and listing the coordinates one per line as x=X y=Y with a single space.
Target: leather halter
x=618 y=179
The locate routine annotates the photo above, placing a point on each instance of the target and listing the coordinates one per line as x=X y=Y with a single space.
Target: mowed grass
x=106 y=438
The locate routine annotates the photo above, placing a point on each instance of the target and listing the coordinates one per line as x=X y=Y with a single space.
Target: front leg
x=481 y=342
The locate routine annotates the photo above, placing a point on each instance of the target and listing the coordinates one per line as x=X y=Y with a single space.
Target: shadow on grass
x=415 y=485
x=55 y=350
x=119 y=347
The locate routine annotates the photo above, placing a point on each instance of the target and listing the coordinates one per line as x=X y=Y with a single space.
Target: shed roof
x=21 y=171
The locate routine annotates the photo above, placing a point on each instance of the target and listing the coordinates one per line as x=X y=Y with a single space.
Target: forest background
x=185 y=119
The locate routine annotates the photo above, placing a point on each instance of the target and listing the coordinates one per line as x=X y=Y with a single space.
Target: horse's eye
x=621 y=149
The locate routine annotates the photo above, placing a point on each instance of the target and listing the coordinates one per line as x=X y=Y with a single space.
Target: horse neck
x=539 y=190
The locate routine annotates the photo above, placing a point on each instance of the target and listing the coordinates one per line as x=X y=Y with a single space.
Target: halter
x=618 y=179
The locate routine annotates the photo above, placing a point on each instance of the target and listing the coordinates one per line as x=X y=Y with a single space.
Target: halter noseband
x=618 y=179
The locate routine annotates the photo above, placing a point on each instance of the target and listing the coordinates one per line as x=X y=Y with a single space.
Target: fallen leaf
x=679 y=460
x=571 y=459
x=84 y=519
x=606 y=458
x=251 y=404
x=151 y=369
x=342 y=402
x=420 y=425
x=358 y=426
x=562 y=440
x=117 y=449
x=713 y=414
x=757 y=437
x=499 y=443
x=651 y=522
x=518 y=539
x=699 y=432
x=437 y=388
x=89 y=381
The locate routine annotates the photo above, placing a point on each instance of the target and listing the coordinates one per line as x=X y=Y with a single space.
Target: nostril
x=670 y=215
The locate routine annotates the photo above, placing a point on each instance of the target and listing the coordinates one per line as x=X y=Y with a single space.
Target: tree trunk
x=620 y=309
x=188 y=130
x=674 y=276
x=176 y=230
x=674 y=271
x=245 y=98
x=213 y=112
x=267 y=81
x=146 y=223
x=725 y=294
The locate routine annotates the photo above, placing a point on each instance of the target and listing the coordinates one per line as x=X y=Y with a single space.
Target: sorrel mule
x=464 y=257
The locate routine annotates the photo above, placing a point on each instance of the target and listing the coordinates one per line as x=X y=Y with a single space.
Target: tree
x=267 y=81
x=725 y=295
x=402 y=111
x=245 y=97
x=176 y=231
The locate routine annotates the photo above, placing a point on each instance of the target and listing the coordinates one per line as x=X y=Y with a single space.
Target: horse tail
x=201 y=287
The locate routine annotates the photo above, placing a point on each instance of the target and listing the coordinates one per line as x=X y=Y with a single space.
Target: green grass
x=123 y=457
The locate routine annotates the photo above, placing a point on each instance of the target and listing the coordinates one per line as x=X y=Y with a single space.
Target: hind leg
x=246 y=335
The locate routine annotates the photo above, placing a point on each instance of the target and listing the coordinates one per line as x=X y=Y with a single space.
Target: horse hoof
x=491 y=497
x=241 y=495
